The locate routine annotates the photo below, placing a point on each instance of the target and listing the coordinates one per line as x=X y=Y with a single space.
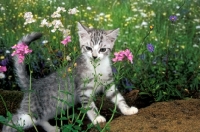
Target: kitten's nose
x=94 y=57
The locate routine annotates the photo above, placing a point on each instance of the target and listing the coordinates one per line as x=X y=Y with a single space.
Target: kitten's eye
x=102 y=50
x=88 y=48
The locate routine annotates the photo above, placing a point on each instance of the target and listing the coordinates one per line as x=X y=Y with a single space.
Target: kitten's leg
x=87 y=102
x=23 y=120
x=113 y=94
x=49 y=128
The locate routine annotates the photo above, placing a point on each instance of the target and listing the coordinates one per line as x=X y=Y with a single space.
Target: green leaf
x=89 y=126
x=9 y=115
x=79 y=122
x=159 y=96
x=77 y=127
x=144 y=93
x=2 y=119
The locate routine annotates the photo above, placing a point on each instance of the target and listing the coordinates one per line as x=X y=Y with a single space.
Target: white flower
x=126 y=32
x=2 y=75
x=152 y=13
x=128 y=19
x=2 y=8
x=137 y=26
x=28 y=16
x=143 y=14
x=196 y=20
x=101 y=14
x=44 y=23
x=57 y=24
x=134 y=9
x=56 y=14
x=65 y=32
x=89 y=8
x=7 y=52
x=44 y=41
x=28 y=21
x=195 y=46
x=59 y=9
x=68 y=58
x=110 y=25
x=144 y=23
x=198 y=27
x=73 y=11
x=96 y=19
x=53 y=30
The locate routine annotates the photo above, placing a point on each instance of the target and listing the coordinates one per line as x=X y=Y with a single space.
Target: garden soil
x=171 y=116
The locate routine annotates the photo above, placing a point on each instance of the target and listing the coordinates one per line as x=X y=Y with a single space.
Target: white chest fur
x=102 y=67
x=100 y=70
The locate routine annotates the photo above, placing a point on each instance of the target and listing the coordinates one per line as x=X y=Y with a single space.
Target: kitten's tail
x=21 y=74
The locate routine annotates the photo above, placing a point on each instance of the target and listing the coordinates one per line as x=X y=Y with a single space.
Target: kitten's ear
x=82 y=31
x=112 y=35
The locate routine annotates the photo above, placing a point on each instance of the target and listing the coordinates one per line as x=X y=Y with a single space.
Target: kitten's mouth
x=95 y=59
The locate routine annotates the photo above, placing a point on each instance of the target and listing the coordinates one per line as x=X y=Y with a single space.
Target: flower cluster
x=125 y=54
x=73 y=11
x=57 y=14
x=28 y=16
x=3 y=62
x=21 y=50
x=56 y=24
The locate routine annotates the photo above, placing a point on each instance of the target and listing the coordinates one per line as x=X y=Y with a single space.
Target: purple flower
x=4 y=62
x=128 y=85
x=114 y=70
x=173 y=18
x=150 y=47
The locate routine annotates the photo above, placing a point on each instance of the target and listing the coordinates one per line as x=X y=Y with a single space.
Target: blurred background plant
x=163 y=37
x=157 y=51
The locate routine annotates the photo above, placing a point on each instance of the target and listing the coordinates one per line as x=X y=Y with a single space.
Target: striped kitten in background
x=93 y=74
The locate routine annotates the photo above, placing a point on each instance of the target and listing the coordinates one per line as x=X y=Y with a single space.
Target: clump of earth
x=171 y=116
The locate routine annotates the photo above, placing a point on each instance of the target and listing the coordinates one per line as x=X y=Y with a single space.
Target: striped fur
x=93 y=74
x=21 y=74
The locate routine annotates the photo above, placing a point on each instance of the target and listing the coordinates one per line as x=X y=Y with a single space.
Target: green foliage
x=170 y=71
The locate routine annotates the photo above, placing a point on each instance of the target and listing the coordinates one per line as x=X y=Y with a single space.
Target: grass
x=170 y=71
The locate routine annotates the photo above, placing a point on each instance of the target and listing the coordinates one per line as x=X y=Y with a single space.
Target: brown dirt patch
x=173 y=116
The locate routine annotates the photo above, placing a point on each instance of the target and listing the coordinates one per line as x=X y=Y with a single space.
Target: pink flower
x=128 y=55
x=3 y=69
x=120 y=56
x=21 y=50
x=66 y=40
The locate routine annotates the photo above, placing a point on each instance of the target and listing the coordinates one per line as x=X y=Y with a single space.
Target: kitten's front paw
x=129 y=111
x=99 y=119
x=54 y=129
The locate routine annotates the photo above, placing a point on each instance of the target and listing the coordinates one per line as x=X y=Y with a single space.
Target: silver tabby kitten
x=95 y=45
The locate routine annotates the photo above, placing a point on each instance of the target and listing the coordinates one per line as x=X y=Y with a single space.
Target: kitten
x=93 y=74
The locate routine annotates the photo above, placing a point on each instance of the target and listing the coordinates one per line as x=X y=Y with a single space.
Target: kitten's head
x=95 y=43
